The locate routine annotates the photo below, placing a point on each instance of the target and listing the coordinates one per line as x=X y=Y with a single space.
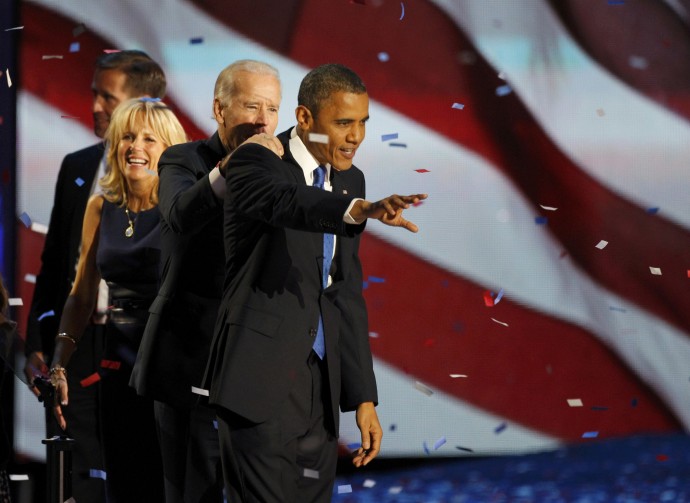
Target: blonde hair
x=127 y=117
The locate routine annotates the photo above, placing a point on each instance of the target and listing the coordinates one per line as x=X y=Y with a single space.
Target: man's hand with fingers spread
x=388 y=211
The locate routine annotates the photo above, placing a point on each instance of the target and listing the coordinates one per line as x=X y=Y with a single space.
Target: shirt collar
x=305 y=159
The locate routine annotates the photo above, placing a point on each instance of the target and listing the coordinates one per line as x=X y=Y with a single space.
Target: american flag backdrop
x=546 y=298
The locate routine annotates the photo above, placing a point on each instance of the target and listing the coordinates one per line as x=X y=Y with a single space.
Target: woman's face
x=138 y=152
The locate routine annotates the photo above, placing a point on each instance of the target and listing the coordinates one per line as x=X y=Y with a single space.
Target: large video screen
x=545 y=298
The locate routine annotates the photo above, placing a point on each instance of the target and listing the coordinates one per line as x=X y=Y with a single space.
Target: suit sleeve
x=358 y=383
x=186 y=200
x=258 y=188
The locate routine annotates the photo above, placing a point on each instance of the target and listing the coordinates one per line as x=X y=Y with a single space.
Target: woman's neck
x=139 y=196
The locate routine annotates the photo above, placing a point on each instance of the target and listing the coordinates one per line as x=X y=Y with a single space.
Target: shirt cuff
x=217 y=183
x=347 y=218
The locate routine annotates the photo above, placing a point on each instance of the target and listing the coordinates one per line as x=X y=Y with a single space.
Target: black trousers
x=191 y=453
x=291 y=458
x=83 y=418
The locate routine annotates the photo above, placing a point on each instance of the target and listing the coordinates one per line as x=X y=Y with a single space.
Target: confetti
x=15 y=301
x=78 y=30
x=368 y=483
x=52 y=56
x=374 y=279
x=499 y=322
x=655 y=270
x=394 y=144
x=390 y=136
x=199 y=391
x=74 y=47
x=600 y=112
x=503 y=90
x=26 y=220
x=46 y=315
x=18 y=477
x=30 y=278
x=318 y=138
x=601 y=244
x=439 y=443
x=15 y=28
x=653 y=211
x=215 y=424
x=575 y=402
x=638 y=62
x=422 y=170
x=402 y=14
x=423 y=388
x=616 y=2
x=548 y=208
x=502 y=75
x=109 y=364
x=392 y=427
x=590 y=434
x=9 y=80
x=426 y=448
x=40 y=228
x=311 y=474
x=498 y=297
x=466 y=449
x=661 y=457
x=383 y=57
x=79 y=182
x=374 y=335
x=457 y=106
x=455 y=376
x=111 y=51
x=92 y=379
x=488 y=298
x=395 y=490
x=500 y=428
x=97 y=474
x=541 y=220
x=148 y=99
x=345 y=489
x=196 y=40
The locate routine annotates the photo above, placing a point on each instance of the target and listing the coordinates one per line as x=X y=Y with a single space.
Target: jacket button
x=312 y=332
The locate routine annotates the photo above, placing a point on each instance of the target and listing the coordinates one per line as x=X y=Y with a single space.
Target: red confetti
x=661 y=457
x=422 y=170
x=109 y=364
x=488 y=299
x=419 y=203
x=92 y=379
x=110 y=51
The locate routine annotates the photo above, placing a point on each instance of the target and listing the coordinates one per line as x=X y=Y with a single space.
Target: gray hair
x=225 y=83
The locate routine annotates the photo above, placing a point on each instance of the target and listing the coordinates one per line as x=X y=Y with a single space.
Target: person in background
x=7 y=333
x=121 y=244
x=117 y=77
x=175 y=346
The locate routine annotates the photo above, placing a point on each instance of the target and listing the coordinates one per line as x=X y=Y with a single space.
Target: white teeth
x=136 y=161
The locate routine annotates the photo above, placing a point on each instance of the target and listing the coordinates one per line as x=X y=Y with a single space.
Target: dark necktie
x=319 y=345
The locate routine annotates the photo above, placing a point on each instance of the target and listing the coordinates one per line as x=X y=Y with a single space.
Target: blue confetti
x=365 y=285
x=653 y=211
x=457 y=106
x=426 y=449
x=74 y=47
x=590 y=434
x=597 y=407
x=439 y=443
x=498 y=297
x=97 y=474
x=541 y=220
x=390 y=136
x=354 y=446
x=46 y=314
x=503 y=90
x=215 y=425
x=500 y=428
x=146 y=99
x=374 y=279
x=196 y=40
x=393 y=144
x=79 y=181
x=392 y=427
x=383 y=57
x=26 y=220
x=402 y=15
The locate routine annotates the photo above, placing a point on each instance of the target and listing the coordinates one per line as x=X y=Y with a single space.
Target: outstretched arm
x=388 y=210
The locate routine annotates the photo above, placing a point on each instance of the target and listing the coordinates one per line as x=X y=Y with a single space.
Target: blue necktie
x=319 y=345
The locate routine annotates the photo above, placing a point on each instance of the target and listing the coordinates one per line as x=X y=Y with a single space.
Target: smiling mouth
x=136 y=161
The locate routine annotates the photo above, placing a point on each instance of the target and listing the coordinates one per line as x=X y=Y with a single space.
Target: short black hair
x=323 y=81
x=144 y=77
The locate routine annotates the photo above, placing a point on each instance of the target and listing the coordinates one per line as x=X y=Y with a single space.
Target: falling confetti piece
x=374 y=335
x=500 y=428
x=199 y=391
x=541 y=220
x=548 y=208
x=600 y=112
x=368 y=483
x=439 y=443
x=394 y=144
x=661 y=457
x=655 y=270
x=52 y=56
x=26 y=219
x=215 y=424
x=503 y=90
x=196 y=40
x=311 y=474
x=422 y=170
x=74 y=47
x=488 y=298
x=109 y=364
x=457 y=106
x=499 y=322
x=15 y=28
x=590 y=434
x=374 y=279
x=97 y=474
x=318 y=138
x=575 y=402
x=638 y=62
x=46 y=315
x=423 y=388
x=389 y=136
x=402 y=14
x=18 y=477
x=426 y=448
x=30 y=278
x=392 y=427
x=78 y=30
x=395 y=490
x=345 y=489
x=79 y=182
x=601 y=244
x=111 y=51
x=9 y=80
x=92 y=379
x=466 y=449
x=455 y=376
x=653 y=211
x=40 y=228
x=15 y=301
x=148 y=99
x=498 y=297
x=502 y=75
x=383 y=57
x=354 y=446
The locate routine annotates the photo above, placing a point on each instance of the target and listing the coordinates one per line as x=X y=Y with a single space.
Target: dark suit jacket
x=61 y=249
x=274 y=225
x=174 y=349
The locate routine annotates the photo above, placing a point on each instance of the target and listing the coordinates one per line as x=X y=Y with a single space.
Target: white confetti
x=40 y=228
x=602 y=244
x=52 y=56
x=499 y=322
x=18 y=477
x=395 y=490
x=199 y=391
x=383 y=57
x=318 y=138
x=655 y=271
x=455 y=376
x=9 y=80
x=368 y=483
x=311 y=474
x=574 y=402
x=30 y=278
x=548 y=208
x=16 y=301
x=423 y=388
x=344 y=489
x=638 y=62
x=374 y=335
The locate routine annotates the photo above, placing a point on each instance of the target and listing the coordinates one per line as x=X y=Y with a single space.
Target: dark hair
x=324 y=81
x=145 y=77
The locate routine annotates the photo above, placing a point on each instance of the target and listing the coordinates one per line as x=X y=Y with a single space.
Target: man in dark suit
x=291 y=342
x=117 y=77
x=175 y=346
